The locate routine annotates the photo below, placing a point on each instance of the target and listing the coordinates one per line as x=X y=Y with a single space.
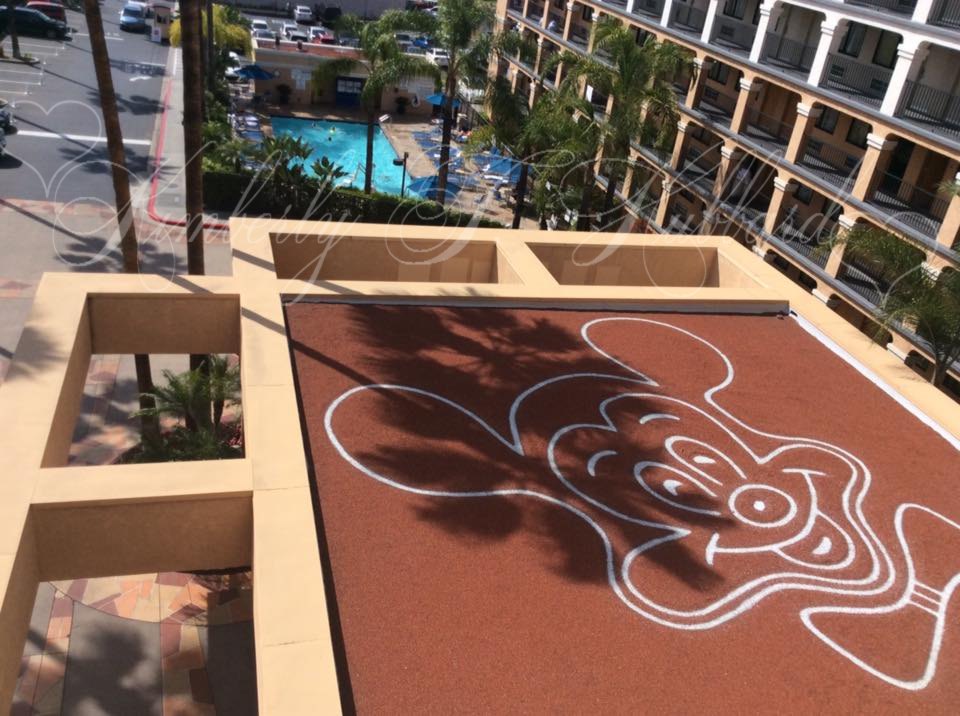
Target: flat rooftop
x=543 y=509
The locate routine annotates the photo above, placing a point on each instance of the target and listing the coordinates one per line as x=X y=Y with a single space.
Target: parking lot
x=59 y=152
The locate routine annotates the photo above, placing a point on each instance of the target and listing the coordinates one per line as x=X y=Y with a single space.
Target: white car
x=301 y=13
x=439 y=57
x=288 y=27
x=259 y=25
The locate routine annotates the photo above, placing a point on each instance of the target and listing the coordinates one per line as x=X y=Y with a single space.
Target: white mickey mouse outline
x=747 y=595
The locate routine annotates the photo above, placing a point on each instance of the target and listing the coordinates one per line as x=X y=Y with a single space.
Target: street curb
x=155 y=179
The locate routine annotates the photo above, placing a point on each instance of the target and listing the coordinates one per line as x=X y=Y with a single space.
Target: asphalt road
x=59 y=153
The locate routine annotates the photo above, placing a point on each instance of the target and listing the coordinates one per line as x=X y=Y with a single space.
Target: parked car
x=256 y=25
x=133 y=17
x=323 y=35
x=53 y=10
x=264 y=35
x=298 y=36
x=345 y=39
x=439 y=57
x=3 y=145
x=301 y=13
x=35 y=23
x=287 y=28
x=414 y=50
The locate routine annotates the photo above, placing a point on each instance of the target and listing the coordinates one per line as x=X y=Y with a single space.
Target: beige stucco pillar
x=746 y=85
x=872 y=166
x=701 y=67
x=835 y=259
x=781 y=187
x=664 y=205
x=678 y=144
x=567 y=21
x=726 y=159
x=949 y=233
x=805 y=116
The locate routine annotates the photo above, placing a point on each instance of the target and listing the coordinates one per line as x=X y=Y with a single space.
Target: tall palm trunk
x=12 y=29
x=211 y=48
x=448 y=97
x=372 y=113
x=193 y=132
x=521 y=193
x=150 y=428
x=586 y=199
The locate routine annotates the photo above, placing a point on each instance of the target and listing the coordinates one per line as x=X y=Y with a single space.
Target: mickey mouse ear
x=667 y=355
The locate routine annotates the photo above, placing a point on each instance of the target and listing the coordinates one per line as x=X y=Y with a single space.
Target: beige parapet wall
x=59 y=522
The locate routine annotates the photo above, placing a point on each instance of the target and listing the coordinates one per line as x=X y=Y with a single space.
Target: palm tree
x=638 y=78
x=121 y=188
x=193 y=131
x=285 y=156
x=463 y=30
x=385 y=64
x=11 y=28
x=927 y=304
x=211 y=48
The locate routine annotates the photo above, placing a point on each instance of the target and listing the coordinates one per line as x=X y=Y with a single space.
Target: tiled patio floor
x=170 y=644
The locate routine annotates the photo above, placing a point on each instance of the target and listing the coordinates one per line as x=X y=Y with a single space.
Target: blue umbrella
x=437 y=100
x=254 y=72
x=427 y=187
x=506 y=167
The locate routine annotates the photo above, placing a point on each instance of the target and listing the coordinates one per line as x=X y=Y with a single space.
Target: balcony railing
x=910 y=205
x=855 y=276
x=717 y=106
x=648 y=8
x=767 y=131
x=939 y=111
x=687 y=19
x=579 y=36
x=866 y=83
x=901 y=7
x=622 y=4
x=806 y=243
x=830 y=164
x=788 y=55
x=734 y=34
x=946 y=13
x=698 y=171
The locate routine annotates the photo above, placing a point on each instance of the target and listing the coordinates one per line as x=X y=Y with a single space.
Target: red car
x=53 y=10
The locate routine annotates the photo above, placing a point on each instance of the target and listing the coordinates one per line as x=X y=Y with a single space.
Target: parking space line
x=77 y=137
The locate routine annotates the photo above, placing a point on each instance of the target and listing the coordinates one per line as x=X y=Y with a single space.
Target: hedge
x=243 y=195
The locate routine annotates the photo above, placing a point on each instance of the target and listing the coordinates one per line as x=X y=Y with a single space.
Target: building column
x=781 y=187
x=768 y=13
x=701 y=67
x=835 y=259
x=829 y=39
x=921 y=13
x=539 y=55
x=630 y=4
x=746 y=85
x=726 y=159
x=664 y=204
x=908 y=52
x=567 y=21
x=525 y=9
x=678 y=144
x=708 y=22
x=949 y=232
x=870 y=167
x=667 y=9
x=805 y=115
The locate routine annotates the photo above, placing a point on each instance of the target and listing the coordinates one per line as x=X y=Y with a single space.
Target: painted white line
x=19 y=82
x=77 y=137
x=20 y=72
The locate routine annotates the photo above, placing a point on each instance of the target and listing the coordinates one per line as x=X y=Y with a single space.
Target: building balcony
x=516 y=6
x=900 y=7
x=579 y=36
x=946 y=13
x=648 y=8
x=735 y=35
x=857 y=276
x=769 y=132
x=687 y=19
x=535 y=13
x=830 y=164
x=936 y=110
x=696 y=170
x=619 y=4
x=809 y=242
x=910 y=206
x=862 y=82
x=717 y=106
x=789 y=56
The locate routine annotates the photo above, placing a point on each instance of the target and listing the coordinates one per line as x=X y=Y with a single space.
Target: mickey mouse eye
x=675 y=487
x=762 y=506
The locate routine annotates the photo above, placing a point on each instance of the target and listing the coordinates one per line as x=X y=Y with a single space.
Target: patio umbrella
x=427 y=187
x=505 y=167
x=254 y=72
x=437 y=100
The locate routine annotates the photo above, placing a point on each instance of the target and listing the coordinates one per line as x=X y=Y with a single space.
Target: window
x=735 y=8
x=803 y=194
x=587 y=13
x=857 y=134
x=719 y=72
x=853 y=40
x=886 y=53
x=827 y=121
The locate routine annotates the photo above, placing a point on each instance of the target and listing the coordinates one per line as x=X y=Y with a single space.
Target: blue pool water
x=345 y=143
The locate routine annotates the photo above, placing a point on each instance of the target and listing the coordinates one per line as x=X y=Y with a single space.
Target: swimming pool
x=345 y=143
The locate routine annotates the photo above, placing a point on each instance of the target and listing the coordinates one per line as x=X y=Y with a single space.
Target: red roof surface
x=536 y=510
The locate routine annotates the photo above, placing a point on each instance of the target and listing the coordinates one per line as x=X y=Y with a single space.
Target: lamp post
x=403 y=177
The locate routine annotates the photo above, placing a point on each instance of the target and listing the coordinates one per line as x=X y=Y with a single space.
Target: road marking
x=139 y=78
x=77 y=137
